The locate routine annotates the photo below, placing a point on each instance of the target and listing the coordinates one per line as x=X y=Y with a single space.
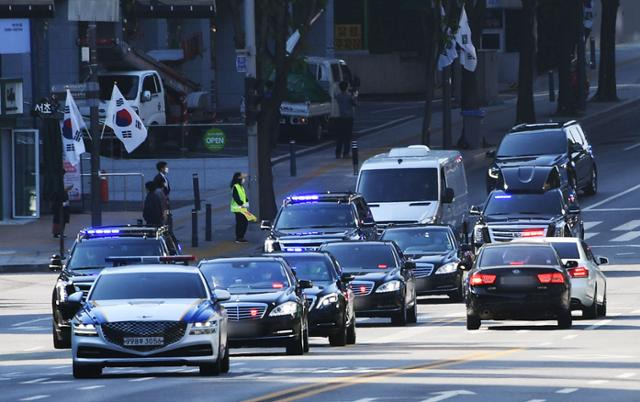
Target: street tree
x=525 y=110
x=607 y=91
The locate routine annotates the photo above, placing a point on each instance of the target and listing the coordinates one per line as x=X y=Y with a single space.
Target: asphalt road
x=435 y=360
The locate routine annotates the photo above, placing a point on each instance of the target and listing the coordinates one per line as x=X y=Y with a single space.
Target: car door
x=601 y=280
x=365 y=219
x=579 y=156
x=153 y=106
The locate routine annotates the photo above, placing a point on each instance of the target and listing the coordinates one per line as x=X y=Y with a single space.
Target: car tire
x=456 y=295
x=412 y=314
x=62 y=341
x=565 y=321
x=86 y=370
x=225 y=364
x=592 y=187
x=296 y=345
x=351 y=333
x=305 y=338
x=340 y=337
x=400 y=319
x=211 y=369
x=473 y=322
x=591 y=311
x=602 y=310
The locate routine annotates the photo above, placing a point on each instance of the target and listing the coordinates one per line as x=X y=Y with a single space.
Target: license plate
x=516 y=281
x=144 y=341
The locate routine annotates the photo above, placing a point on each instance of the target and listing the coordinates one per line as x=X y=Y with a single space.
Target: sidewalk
x=27 y=247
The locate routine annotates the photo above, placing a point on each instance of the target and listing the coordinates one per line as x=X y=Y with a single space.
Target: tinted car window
x=362 y=256
x=92 y=253
x=549 y=203
x=127 y=84
x=534 y=143
x=246 y=276
x=566 y=251
x=154 y=285
x=315 y=269
x=413 y=241
x=518 y=255
x=399 y=185
x=315 y=215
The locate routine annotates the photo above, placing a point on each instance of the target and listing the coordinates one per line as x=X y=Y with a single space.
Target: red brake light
x=516 y=263
x=533 y=233
x=253 y=312
x=555 y=277
x=382 y=266
x=579 y=272
x=478 y=279
x=277 y=285
x=363 y=289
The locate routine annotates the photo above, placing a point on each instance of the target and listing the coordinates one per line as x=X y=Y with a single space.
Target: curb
x=25 y=269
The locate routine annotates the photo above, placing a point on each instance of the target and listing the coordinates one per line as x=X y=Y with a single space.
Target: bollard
x=354 y=156
x=552 y=90
x=196 y=192
x=592 y=51
x=194 y=228
x=292 y=158
x=207 y=222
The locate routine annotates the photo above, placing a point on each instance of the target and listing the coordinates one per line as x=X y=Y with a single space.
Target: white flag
x=449 y=52
x=71 y=127
x=125 y=122
x=468 y=56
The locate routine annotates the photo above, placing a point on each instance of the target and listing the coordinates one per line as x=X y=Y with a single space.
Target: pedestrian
x=60 y=209
x=152 y=211
x=344 y=122
x=162 y=186
x=239 y=203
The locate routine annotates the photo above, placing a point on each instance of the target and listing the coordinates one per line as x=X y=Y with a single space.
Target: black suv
x=549 y=144
x=88 y=256
x=307 y=221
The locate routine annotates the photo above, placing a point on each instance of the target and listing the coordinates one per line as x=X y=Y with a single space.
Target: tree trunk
x=567 y=30
x=476 y=23
x=525 y=112
x=607 y=91
x=431 y=28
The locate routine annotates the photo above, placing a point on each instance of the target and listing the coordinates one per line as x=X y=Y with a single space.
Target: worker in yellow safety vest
x=240 y=206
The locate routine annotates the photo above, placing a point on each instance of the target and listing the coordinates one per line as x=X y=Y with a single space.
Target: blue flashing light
x=500 y=197
x=102 y=231
x=304 y=198
x=293 y=249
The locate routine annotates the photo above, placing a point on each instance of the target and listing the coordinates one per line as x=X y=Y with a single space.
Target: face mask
x=242 y=181
x=166 y=170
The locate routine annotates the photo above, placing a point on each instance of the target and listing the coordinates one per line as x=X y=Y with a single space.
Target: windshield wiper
x=530 y=213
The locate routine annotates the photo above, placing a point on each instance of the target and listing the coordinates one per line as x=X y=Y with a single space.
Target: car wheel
x=351 y=333
x=225 y=365
x=61 y=340
x=305 y=338
x=296 y=345
x=591 y=311
x=400 y=318
x=602 y=310
x=473 y=322
x=211 y=369
x=86 y=370
x=565 y=320
x=340 y=337
x=456 y=295
x=412 y=314
x=592 y=187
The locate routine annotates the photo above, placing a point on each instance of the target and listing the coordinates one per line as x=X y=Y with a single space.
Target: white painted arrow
x=442 y=395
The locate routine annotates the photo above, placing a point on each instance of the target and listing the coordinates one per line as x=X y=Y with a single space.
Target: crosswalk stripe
x=627 y=236
x=590 y=225
x=589 y=235
x=628 y=226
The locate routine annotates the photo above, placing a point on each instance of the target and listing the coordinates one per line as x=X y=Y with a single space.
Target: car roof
x=413 y=156
x=544 y=240
x=329 y=196
x=360 y=243
x=149 y=268
x=302 y=254
x=244 y=259
x=533 y=127
x=394 y=228
x=516 y=244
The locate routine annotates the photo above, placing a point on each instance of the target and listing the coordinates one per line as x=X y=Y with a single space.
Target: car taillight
x=578 y=272
x=555 y=277
x=533 y=233
x=478 y=279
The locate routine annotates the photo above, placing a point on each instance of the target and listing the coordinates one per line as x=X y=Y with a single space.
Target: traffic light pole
x=250 y=106
x=96 y=206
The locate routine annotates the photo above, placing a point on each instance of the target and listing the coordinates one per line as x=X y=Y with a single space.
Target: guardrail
x=124 y=184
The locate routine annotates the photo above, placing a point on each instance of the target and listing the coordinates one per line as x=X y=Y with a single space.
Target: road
x=435 y=360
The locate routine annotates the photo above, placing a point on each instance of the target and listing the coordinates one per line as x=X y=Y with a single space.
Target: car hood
x=374 y=276
x=521 y=219
x=435 y=259
x=146 y=310
x=319 y=233
x=268 y=298
x=534 y=160
x=320 y=288
x=404 y=211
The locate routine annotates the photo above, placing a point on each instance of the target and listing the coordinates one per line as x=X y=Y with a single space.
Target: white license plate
x=144 y=341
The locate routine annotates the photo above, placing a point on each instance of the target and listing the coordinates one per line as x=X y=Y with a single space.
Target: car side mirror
x=346 y=277
x=146 y=96
x=491 y=153
x=55 y=264
x=265 y=225
x=475 y=210
x=602 y=260
x=305 y=284
x=221 y=295
x=447 y=196
x=71 y=306
x=409 y=265
x=571 y=264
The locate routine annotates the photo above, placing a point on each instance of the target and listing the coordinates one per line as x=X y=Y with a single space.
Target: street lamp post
x=96 y=206
x=250 y=104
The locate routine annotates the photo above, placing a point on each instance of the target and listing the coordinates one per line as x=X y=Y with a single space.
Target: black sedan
x=330 y=300
x=438 y=257
x=383 y=283
x=523 y=281
x=267 y=307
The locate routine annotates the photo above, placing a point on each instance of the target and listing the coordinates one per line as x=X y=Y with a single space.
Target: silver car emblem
x=516 y=271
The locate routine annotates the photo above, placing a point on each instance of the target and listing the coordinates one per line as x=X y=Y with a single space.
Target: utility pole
x=96 y=206
x=582 y=61
x=250 y=102
x=446 y=95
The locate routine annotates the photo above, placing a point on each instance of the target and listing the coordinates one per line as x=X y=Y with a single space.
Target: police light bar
x=132 y=260
x=310 y=197
x=104 y=232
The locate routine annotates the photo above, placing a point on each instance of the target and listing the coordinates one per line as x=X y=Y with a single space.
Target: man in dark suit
x=152 y=212
x=161 y=179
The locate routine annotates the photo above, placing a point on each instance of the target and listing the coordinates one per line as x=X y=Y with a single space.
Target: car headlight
x=270 y=245
x=493 y=172
x=81 y=329
x=391 y=286
x=447 y=268
x=286 y=308
x=478 y=237
x=327 y=300
x=204 y=327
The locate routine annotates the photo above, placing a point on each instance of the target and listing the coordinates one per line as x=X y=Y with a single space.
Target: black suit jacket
x=163 y=183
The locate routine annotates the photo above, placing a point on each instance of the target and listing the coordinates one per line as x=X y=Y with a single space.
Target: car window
x=549 y=203
x=418 y=241
x=566 y=251
x=246 y=276
x=346 y=73
x=149 y=84
x=127 y=84
x=335 y=73
x=583 y=136
x=315 y=269
x=153 y=285
x=533 y=143
x=92 y=253
x=518 y=256
x=399 y=185
x=315 y=215
x=157 y=83
x=355 y=257
x=456 y=179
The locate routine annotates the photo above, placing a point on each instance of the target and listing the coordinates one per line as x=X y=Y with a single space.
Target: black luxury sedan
x=330 y=300
x=267 y=306
x=519 y=281
x=383 y=284
x=547 y=144
x=437 y=255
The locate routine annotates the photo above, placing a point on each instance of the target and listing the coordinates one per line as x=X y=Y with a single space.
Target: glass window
x=533 y=143
x=92 y=253
x=315 y=269
x=399 y=185
x=456 y=179
x=153 y=285
x=127 y=84
x=149 y=84
x=246 y=276
x=517 y=256
x=420 y=241
x=566 y=251
x=549 y=203
x=315 y=215
x=356 y=257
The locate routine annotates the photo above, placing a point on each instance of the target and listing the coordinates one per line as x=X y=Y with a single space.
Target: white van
x=415 y=185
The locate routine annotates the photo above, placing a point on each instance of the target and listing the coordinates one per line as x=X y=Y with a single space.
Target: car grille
x=171 y=331
x=300 y=247
x=361 y=288
x=422 y=270
x=508 y=233
x=245 y=311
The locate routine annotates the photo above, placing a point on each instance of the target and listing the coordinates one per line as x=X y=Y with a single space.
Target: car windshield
x=315 y=269
x=354 y=257
x=152 y=285
x=533 y=143
x=549 y=203
x=246 y=276
x=566 y=250
x=127 y=84
x=420 y=241
x=92 y=253
x=399 y=185
x=315 y=215
x=518 y=255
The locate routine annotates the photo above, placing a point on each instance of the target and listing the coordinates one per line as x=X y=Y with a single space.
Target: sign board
x=89 y=90
x=15 y=37
x=27 y=8
x=214 y=140
x=241 y=63
x=11 y=100
x=94 y=10
x=348 y=37
x=72 y=178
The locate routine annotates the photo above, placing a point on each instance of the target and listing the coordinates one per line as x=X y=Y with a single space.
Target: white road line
x=633 y=312
x=612 y=209
x=32 y=349
x=613 y=197
x=597 y=324
x=590 y=225
x=627 y=236
x=35 y=381
x=236 y=364
x=19 y=324
x=630 y=147
x=537 y=400
x=35 y=397
x=387 y=124
x=598 y=382
x=570 y=337
x=626 y=375
x=57 y=382
x=628 y=226
x=625 y=253
x=90 y=387
x=60 y=367
x=366 y=400
x=589 y=235
x=142 y=379
x=566 y=390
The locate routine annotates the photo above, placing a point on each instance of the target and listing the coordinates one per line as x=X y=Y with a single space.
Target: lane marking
x=90 y=387
x=57 y=382
x=597 y=324
x=590 y=225
x=613 y=209
x=19 y=324
x=566 y=390
x=570 y=337
x=387 y=124
x=598 y=382
x=626 y=375
x=33 y=349
x=613 y=197
x=629 y=148
x=35 y=397
x=142 y=379
x=35 y=381
x=589 y=235
x=60 y=367
x=628 y=226
x=627 y=236
x=633 y=312
x=537 y=400
x=366 y=400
